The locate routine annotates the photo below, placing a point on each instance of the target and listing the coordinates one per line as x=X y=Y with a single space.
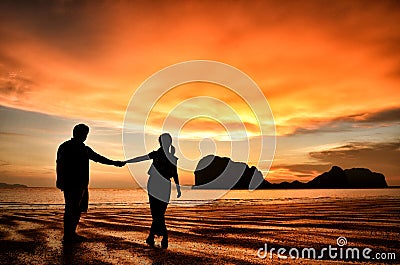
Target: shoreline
x=195 y=187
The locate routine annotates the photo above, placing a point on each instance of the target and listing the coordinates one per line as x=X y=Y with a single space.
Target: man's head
x=80 y=132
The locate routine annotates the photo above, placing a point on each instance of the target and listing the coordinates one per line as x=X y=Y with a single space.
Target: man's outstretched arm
x=103 y=160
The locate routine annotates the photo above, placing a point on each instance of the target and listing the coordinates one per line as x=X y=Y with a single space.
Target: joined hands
x=119 y=163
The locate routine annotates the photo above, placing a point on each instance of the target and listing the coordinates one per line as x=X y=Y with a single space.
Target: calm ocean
x=51 y=198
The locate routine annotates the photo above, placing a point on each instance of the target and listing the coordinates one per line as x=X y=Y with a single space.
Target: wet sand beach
x=222 y=232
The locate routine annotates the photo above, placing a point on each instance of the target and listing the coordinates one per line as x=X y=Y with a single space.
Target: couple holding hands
x=73 y=179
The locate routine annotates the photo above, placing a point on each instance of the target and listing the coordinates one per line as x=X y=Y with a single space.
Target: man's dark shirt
x=73 y=164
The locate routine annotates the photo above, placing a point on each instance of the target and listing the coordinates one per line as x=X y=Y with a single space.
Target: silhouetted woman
x=163 y=168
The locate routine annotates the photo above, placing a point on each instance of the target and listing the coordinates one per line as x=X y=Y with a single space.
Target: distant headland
x=8 y=186
x=217 y=170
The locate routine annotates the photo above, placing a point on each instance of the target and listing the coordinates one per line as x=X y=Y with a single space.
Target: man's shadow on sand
x=82 y=252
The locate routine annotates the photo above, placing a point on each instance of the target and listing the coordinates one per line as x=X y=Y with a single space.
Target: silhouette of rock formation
x=335 y=178
x=349 y=178
x=7 y=186
x=214 y=172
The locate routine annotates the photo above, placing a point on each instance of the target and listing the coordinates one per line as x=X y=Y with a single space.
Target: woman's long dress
x=161 y=171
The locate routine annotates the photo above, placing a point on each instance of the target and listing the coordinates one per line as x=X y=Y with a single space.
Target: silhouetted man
x=73 y=178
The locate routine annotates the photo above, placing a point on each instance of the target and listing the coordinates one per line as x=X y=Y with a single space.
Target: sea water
x=51 y=198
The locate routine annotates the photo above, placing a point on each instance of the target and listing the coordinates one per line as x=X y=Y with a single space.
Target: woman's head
x=165 y=140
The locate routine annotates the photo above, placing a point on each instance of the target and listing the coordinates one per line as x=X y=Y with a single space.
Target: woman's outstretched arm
x=138 y=159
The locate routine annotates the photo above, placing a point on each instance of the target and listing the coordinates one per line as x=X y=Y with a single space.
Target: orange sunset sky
x=330 y=71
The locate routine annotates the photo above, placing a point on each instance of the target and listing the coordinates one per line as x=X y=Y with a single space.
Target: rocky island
x=214 y=172
x=10 y=186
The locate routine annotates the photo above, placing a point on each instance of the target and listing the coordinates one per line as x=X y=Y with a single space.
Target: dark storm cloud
x=11 y=134
x=4 y=163
x=371 y=152
x=386 y=117
x=14 y=83
x=63 y=25
x=389 y=115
